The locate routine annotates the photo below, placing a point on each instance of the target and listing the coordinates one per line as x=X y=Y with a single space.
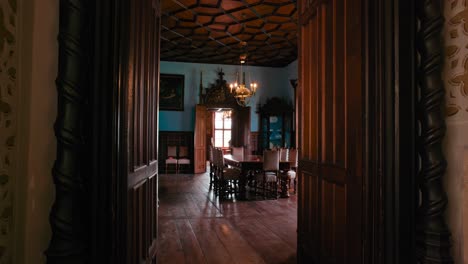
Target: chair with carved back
x=268 y=177
x=240 y=153
x=228 y=178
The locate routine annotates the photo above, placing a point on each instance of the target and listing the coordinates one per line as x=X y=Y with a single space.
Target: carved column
x=432 y=234
x=68 y=217
x=294 y=83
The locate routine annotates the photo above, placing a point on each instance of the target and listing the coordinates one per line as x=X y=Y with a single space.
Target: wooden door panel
x=111 y=49
x=339 y=84
x=142 y=88
x=309 y=220
x=333 y=219
x=200 y=139
x=330 y=174
x=143 y=212
x=200 y=160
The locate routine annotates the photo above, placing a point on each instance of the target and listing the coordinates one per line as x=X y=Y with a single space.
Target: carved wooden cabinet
x=276 y=128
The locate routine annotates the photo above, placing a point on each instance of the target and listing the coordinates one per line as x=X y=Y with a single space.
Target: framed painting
x=171 y=92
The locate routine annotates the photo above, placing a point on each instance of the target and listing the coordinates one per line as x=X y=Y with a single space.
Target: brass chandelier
x=240 y=91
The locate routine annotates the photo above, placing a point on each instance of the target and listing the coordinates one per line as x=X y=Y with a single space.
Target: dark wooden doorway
x=106 y=179
x=107 y=129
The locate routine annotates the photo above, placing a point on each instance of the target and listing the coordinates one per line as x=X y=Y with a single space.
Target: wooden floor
x=195 y=227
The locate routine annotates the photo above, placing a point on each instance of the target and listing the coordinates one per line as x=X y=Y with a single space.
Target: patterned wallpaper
x=8 y=115
x=456 y=58
x=456 y=98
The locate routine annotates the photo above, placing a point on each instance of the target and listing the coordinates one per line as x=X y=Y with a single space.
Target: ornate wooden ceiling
x=210 y=31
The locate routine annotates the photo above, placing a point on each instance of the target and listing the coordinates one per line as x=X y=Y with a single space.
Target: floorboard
x=196 y=227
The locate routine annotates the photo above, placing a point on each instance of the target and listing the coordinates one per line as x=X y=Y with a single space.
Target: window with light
x=222 y=129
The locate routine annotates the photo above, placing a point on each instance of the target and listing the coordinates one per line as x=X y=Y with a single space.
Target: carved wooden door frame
x=405 y=65
x=79 y=212
x=432 y=233
x=408 y=126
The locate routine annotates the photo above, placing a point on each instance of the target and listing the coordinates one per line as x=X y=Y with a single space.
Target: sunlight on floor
x=196 y=227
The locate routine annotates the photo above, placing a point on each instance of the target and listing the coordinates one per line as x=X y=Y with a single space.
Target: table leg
x=284 y=188
x=242 y=183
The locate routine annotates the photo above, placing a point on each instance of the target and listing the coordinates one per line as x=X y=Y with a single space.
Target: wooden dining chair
x=268 y=177
x=212 y=165
x=290 y=175
x=237 y=151
x=284 y=153
x=228 y=178
x=183 y=158
x=217 y=156
x=171 y=158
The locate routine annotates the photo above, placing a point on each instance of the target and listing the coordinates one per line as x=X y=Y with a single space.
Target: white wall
x=38 y=29
x=456 y=141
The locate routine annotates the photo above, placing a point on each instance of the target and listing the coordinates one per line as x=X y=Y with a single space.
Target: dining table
x=249 y=163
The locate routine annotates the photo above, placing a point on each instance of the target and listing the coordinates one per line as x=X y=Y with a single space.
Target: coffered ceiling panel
x=219 y=31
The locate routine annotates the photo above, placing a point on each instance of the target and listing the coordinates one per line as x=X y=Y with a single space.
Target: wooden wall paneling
x=175 y=138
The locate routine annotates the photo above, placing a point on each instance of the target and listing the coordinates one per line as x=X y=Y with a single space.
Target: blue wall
x=291 y=74
x=272 y=82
